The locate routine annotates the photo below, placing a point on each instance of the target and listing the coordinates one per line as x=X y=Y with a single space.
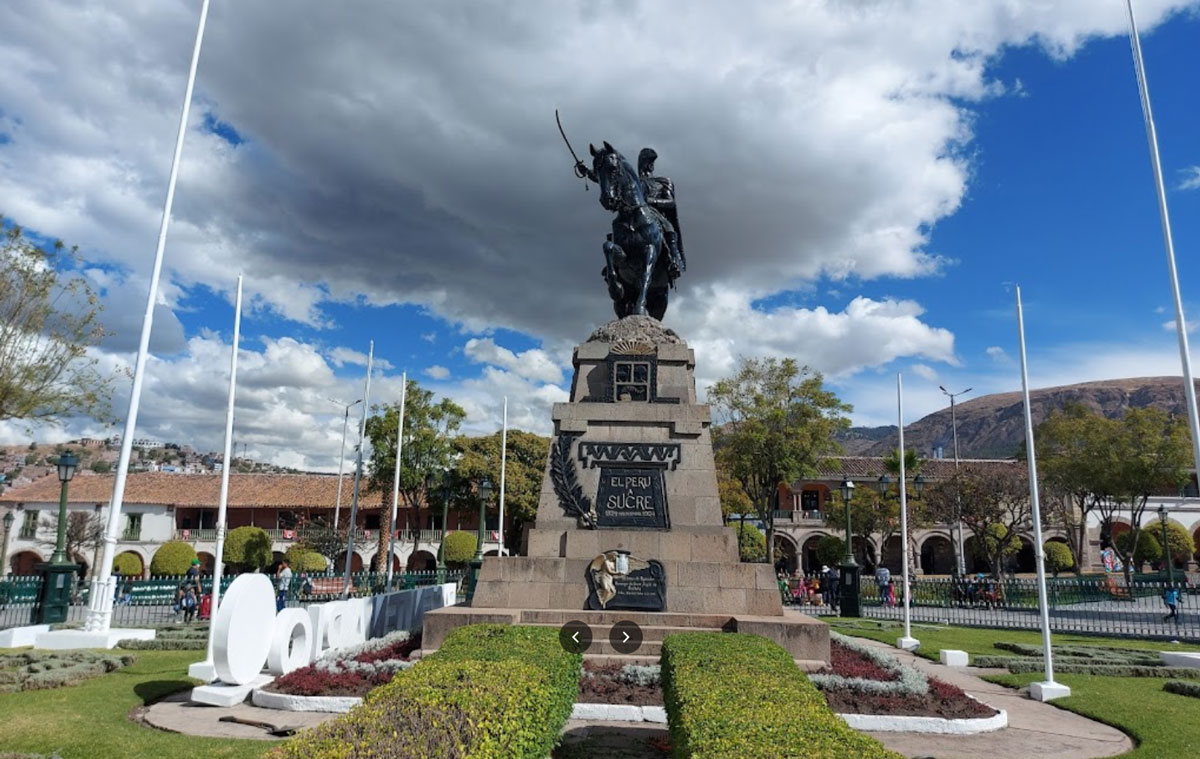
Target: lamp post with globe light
x=8 y=522
x=57 y=574
x=485 y=494
x=1167 y=557
x=850 y=570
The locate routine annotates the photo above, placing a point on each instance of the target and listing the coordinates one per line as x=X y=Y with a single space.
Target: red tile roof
x=871 y=467
x=245 y=490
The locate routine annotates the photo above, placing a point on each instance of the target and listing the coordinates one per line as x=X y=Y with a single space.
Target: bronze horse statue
x=641 y=255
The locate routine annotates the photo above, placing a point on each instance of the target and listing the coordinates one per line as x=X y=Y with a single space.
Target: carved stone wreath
x=566 y=483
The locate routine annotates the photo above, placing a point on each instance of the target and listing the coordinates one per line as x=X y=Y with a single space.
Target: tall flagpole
x=908 y=642
x=503 y=467
x=396 y=479
x=1048 y=689
x=358 y=465
x=1185 y=358
x=205 y=670
x=101 y=597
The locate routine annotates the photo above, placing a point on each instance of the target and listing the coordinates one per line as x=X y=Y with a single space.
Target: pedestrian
x=188 y=602
x=883 y=576
x=283 y=583
x=1171 y=599
x=829 y=586
x=891 y=592
x=116 y=573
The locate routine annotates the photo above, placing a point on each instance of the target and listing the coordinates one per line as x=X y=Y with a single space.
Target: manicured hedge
x=735 y=695
x=1183 y=688
x=458 y=547
x=172 y=558
x=490 y=692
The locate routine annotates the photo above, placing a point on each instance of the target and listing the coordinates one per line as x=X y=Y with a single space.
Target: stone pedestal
x=629 y=520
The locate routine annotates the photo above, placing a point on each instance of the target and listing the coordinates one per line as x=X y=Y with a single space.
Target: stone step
x=642 y=618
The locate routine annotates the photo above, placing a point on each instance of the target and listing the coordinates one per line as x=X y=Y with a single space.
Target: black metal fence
x=1101 y=606
x=157 y=600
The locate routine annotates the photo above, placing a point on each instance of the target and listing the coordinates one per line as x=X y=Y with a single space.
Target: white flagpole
x=1185 y=358
x=1047 y=690
x=101 y=598
x=396 y=479
x=908 y=642
x=358 y=465
x=205 y=670
x=503 y=467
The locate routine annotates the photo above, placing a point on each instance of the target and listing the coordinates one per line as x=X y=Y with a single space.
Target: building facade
x=159 y=507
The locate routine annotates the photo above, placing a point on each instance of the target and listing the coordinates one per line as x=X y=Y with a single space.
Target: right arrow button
x=625 y=637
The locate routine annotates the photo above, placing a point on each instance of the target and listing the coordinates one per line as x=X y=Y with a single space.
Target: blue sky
x=859 y=188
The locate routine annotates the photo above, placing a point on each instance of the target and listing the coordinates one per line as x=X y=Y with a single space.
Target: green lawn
x=1166 y=726
x=90 y=720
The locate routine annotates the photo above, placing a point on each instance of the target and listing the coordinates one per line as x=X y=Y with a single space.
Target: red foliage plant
x=849 y=663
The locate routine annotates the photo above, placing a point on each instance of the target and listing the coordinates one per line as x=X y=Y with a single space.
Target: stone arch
x=786 y=552
x=21 y=563
x=1025 y=560
x=937 y=555
x=421 y=561
x=208 y=562
x=865 y=553
x=809 y=563
x=975 y=560
x=356 y=563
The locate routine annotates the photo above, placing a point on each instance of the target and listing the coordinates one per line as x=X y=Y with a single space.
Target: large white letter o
x=242 y=629
x=291 y=642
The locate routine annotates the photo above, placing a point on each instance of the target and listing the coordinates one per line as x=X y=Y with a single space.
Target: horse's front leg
x=651 y=254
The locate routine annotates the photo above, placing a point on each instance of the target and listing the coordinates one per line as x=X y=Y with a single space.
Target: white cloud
x=438 y=372
x=429 y=337
x=997 y=354
x=1191 y=178
x=1169 y=326
x=341 y=356
x=924 y=371
x=533 y=364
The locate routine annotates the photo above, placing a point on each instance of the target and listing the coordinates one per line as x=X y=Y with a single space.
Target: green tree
x=320 y=537
x=100 y=466
x=1058 y=556
x=172 y=558
x=1141 y=545
x=752 y=544
x=777 y=423
x=129 y=564
x=830 y=550
x=479 y=457
x=248 y=549
x=429 y=430
x=49 y=318
x=994 y=506
x=304 y=559
x=458 y=548
x=1182 y=545
x=734 y=501
x=85 y=530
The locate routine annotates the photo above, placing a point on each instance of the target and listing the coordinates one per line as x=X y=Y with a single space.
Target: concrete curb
x=882 y=723
x=619 y=713
x=289 y=703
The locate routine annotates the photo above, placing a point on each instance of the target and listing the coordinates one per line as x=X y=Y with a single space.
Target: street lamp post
x=960 y=557
x=1162 y=518
x=850 y=569
x=8 y=521
x=57 y=582
x=485 y=494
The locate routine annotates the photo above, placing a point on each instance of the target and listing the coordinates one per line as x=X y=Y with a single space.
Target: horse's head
x=619 y=183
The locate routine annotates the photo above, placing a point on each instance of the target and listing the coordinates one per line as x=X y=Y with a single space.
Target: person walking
x=883 y=576
x=829 y=586
x=283 y=583
x=1171 y=599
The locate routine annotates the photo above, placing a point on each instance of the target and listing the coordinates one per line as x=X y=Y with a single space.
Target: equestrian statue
x=644 y=252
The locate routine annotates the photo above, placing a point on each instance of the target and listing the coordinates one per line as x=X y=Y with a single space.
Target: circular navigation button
x=575 y=637
x=625 y=637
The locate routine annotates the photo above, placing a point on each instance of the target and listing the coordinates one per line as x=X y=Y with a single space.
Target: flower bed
x=616 y=684
x=1086 y=660
x=39 y=670
x=351 y=672
x=863 y=679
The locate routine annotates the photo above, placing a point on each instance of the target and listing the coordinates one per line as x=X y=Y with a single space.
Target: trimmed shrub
x=752 y=543
x=1020 y=666
x=128 y=564
x=248 y=548
x=306 y=560
x=737 y=695
x=1148 y=546
x=458 y=547
x=1058 y=557
x=1183 y=688
x=172 y=558
x=39 y=670
x=490 y=692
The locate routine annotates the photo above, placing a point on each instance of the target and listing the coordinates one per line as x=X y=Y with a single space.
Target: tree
x=872 y=512
x=1182 y=545
x=172 y=558
x=304 y=559
x=85 y=530
x=458 y=548
x=429 y=430
x=319 y=536
x=752 y=544
x=100 y=466
x=1141 y=546
x=994 y=506
x=479 y=457
x=1058 y=556
x=777 y=423
x=734 y=501
x=830 y=550
x=248 y=549
x=49 y=318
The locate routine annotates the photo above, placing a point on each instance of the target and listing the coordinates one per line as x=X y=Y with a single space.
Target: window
x=810 y=500
x=29 y=526
x=631 y=381
x=371 y=521
x=133 y=527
